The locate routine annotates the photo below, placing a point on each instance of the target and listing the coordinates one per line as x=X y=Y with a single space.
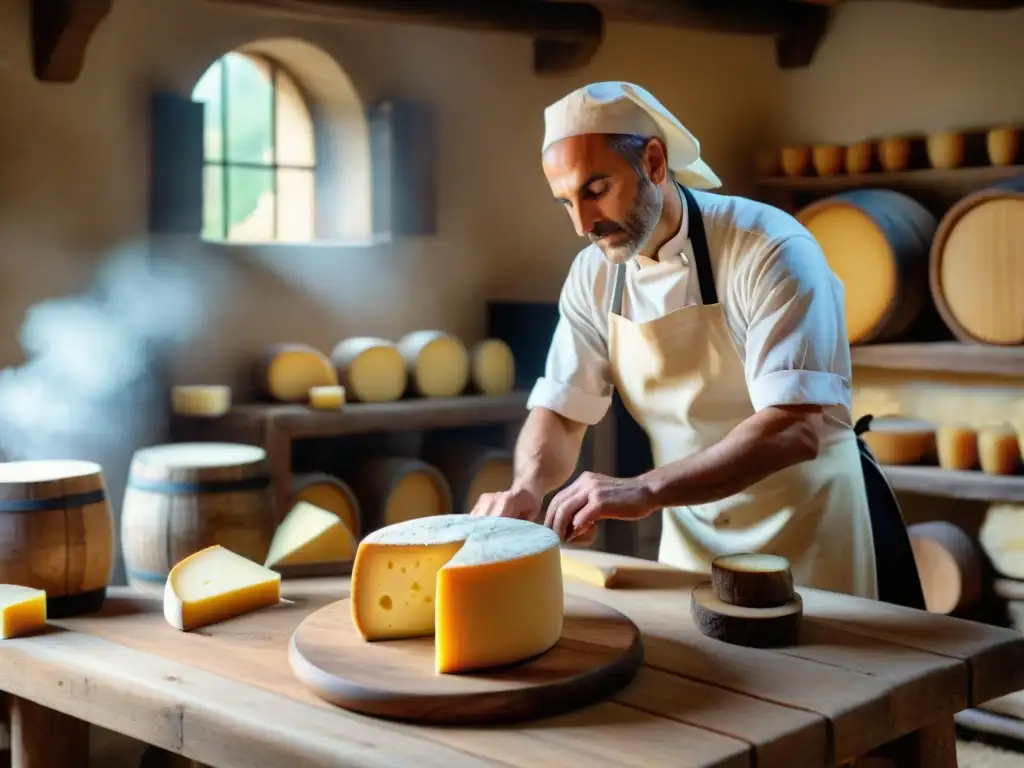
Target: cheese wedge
x=327 y=398
x=215 y=584
x=22 y=610
x=488 y=588
x=309 y=534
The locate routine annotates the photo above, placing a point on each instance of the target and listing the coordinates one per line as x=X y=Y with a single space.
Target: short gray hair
x=630 y=147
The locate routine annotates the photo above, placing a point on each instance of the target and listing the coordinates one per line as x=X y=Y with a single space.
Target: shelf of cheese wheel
x=749 y=601
x=953 y=460
x=435 y=600
x=877 y=242
x=471 y=469
x=392 y=489
x=974 y=273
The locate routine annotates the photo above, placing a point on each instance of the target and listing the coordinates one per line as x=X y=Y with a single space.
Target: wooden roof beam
x=61 y=31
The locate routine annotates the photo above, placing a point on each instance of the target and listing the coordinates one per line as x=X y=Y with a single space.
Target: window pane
x=208 y=91
x=249 y=110
x=250 y=204
x=213 y=202
x=296 y=206
x=293 y=127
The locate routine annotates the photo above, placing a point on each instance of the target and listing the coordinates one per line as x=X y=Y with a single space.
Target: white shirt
x=783 y=304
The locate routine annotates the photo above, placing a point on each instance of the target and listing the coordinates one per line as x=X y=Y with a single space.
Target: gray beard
x=640 y=223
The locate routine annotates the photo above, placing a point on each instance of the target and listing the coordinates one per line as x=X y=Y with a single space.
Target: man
x=720 y=324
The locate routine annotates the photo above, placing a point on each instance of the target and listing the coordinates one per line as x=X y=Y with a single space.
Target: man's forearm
x=547 y=451
x=765 y=443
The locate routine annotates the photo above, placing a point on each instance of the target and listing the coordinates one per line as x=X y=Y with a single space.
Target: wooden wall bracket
x=61 y=31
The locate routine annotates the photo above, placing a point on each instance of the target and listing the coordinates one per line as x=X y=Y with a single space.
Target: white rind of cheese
x=22 y=610
x=488 y=588
x=215 y=584
x=206 y=400
x=309 y=534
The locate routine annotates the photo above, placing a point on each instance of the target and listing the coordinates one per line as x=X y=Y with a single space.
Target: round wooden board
x=599 y=653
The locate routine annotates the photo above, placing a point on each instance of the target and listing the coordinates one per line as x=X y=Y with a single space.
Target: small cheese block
x=752 y=580
x=998 y=451
x=898 y=441
x=22 y=610
x=492 y=367
x=437 y=363
x=957 y=448
x=205 y=400
x=752 y=627
x=309 y=534
x=488 y=588
x=215 y=584
x=371 y=369
x=327 y=398
x=286 y=372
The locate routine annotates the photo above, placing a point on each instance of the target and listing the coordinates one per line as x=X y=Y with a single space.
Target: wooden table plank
x=252 y=650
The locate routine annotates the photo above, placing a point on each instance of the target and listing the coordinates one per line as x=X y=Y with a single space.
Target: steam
x=95 y=382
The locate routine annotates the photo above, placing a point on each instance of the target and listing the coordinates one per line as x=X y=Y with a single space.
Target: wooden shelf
x=942 y=357
x=927 y=177
x=973 y=486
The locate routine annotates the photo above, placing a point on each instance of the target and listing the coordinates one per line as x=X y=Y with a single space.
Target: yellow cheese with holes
x=286 y=372
x=215 y=584
x=208 y=400
x=371 y=369
x=488 y=588
x=437 y=363
x=309 y=534
x=327 y=398
x=957 y=448
x=492 y=367
x=22 y=610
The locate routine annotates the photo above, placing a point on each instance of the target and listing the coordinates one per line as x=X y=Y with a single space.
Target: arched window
x=260 y=156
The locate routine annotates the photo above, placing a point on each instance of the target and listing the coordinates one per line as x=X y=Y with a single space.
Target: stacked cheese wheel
x=993 y=449
x=749 y=601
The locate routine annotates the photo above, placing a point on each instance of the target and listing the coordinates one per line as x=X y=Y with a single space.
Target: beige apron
x=682 y=378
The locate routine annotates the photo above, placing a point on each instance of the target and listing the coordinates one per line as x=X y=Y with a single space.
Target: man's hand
x=575 y=509
x=519 y=502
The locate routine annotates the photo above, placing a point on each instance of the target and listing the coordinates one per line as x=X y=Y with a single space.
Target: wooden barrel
x=330 y=493
x=471 y=470
x=183 y=497
x=977 y=265
x=949 y=564
x=876 y=241
x=57 y=532
x=393 y=489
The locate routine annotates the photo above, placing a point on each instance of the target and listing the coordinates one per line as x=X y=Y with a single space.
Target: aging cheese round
x=895 y=440
x=957 y=447
x=392 y=489
x=437 y=363
x=204 y=400
x=1002 y=538
x=876 y=241
x=370 y=368
x=286 y=372
x=488 y=588
x=999 y=451
x=949 y=566
x=492 y=367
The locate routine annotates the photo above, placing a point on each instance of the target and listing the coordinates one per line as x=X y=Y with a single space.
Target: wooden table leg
x=34 y=737
x=931 y=747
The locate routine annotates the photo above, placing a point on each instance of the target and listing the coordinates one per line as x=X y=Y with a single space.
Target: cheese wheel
x=489 y=589
x=470 y=468
x=22 y=610
x=957 y=448
x=860 y=157
x=393 y=489
x=752 y=580
x=896 y=441
x=975 y=271
x=329 y=493
x=1003 y=145
x=371 y=369
x=752 y=627
x=492 y=367
x=327 y=398
x=310 y=535
x=876 y=241
x=215 y=584
x=828 y=159
x=204 y=400
x=998 y=451
x=794 y=160
x=1001 y=537
x=949 y=565
x=286 y=372
x=437 y=363
x=894 y=153
x=945 y=150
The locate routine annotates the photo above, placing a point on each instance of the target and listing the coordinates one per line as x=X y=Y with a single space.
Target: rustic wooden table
x=865 y=676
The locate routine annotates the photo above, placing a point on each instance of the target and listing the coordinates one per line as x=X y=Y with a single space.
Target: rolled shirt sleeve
x=796 y=350
x=577 y=380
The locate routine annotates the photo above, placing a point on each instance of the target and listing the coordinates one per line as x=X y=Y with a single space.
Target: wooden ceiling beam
x=61 y=31
x=566 y=35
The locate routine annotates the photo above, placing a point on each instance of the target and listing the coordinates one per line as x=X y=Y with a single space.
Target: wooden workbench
x=864 y=676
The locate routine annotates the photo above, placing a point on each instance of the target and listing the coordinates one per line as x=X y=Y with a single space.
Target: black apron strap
x=701 y=253
x=896 y=572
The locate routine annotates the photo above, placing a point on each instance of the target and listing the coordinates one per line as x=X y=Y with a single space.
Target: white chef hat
x=617 y=107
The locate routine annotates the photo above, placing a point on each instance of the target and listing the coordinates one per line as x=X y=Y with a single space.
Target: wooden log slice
x=752 y=580
x=752 y=627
